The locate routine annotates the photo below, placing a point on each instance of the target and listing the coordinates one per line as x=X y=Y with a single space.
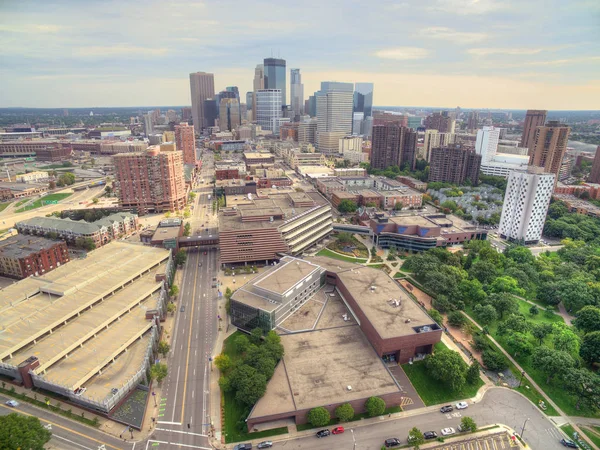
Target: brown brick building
x=151 y=181
x=549 y=146
x=22 y=256
x=440 y=121
x=454 y=164
x=185 y=142
x=43 y=150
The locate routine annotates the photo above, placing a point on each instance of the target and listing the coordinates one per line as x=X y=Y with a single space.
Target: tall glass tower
x=275 y=76
x=363 y=98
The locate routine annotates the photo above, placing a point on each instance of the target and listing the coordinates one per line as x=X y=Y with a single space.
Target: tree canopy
x=22 y=432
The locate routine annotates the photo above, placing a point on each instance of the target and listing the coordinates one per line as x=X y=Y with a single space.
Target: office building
x=525 y=205
x=441 y=121
x=268 y=107
x=384 y=117
x=202 y=86
x=185 y=142
x=363 y=99
x=274 y=76
x=151 y=181
x=22 y=256
x=186 y=114
x=486 y=144
x=595 y=173
x=307 y=132
x=350 y=144
x=148 y=125
x=334 y=114
x=211 y=112
x=257 y=84
x=357 y=123
x=454 y=164
x=473 y=121
x=533 y=119
x=229 y=114
x=296 y=93
x=549 y=146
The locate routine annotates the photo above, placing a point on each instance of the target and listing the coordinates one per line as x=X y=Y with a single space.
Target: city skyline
x=494 y=54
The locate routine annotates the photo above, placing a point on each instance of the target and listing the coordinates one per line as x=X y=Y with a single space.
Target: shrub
x=318 y=417
x=375 y=406
x=344 y=412
x=494 y=360
x=456 y=319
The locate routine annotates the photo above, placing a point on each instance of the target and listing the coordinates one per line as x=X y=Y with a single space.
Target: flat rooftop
x=317 y=368
x=164 y=233
x=23 y=245
x=255 y=155
x=284 y=275
x=413 y=220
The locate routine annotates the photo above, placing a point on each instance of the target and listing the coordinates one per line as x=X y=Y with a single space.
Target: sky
x=521 y=54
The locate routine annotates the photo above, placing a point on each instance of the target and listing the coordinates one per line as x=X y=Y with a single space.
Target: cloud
x=562 y=62
x=504 y=51
x=43 y=28
x=459 y=37
x=117 y=50
x=403 y=53
x=469 y=7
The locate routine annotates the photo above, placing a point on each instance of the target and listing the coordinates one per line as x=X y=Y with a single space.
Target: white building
x=268 y=107
x=277 y=122
x=335 y=102
x=486 y=144
x=504 y=163
x=351 y=144
x=357 y=123
x=525 y=205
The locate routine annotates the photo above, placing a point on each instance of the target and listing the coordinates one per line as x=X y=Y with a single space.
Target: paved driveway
x=412 y=399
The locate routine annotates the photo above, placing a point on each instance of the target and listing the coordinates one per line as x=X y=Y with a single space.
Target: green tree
x=241 y=343
x=484 y=271
x=256 y=335
x=590 y=348
x=180 y=257
x=467 y=423
x=494 y=360
x=588 y=319
x=565 y=339
x=95 y=200
x=66 y=179
x=551 y=362
x=223 y=362
x=187 y=213
x=85 y=243
x=448 y=367
x=456 y=319
x=174 y=290
x=225 y=383
x=584 y=385
x=534 y=310
x=485 y=314
x=416 y=438
x=163 y=348
x=187 y=229
x=347 y=206
x=514 y=323
x=249 y=384
x=472 y=374
x=318 y=417
x=436 y=316
x=504 y=304
x=22 y=432
x=540 y=331
x=171 y=308
x=519 y=343
x=344 y=412
x=375 y=406
x=158 y=371
x=344 y=238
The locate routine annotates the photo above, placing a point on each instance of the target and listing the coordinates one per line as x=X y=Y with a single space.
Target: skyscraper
x=357 y=123
x=296 y=93
x=525 y=205
x=595 y=173
x=202 y=86
x=257 y=84
x=393 y=145
x=487 y=143
x=533 y=119
x=334 y=114
x=363 y=98
x=184 y=141
x=441 y=121
x=229 y=114
x=454 y=164
x=211 y=112
x=549 y=146
x=268 y=108
x=473 y=121
x=275 y=76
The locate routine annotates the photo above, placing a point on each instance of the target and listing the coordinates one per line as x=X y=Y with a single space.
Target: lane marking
x=71 y=442
x=176 y=386
x=182 y=432
x=176 y=443
x=168 y=423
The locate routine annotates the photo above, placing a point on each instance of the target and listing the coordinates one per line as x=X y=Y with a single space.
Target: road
x=184 y=412
x=66 y=434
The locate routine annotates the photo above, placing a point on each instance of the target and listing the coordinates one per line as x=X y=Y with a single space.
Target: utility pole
x=523 y=429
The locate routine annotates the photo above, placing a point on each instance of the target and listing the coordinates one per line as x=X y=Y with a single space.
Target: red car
x=337 y=430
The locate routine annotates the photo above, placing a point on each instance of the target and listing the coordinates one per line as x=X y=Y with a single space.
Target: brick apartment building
x=454 y=164
x=185 y=142
x=412 y=182
x=22 y=256
x=229 y=169
x=41 y=149
x=151 y=181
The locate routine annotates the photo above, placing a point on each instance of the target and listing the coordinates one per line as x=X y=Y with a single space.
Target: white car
x=462 y=405
x=12 y=403
x=448 y=431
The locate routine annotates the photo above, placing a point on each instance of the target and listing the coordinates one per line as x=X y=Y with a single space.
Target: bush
x=456 y=319
x=375 y=406
x=494 y=360
x=318 y=417
x=344 y=412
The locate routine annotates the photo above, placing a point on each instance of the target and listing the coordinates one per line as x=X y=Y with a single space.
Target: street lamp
x=352 y=431
x=523 y=429
x=522 y=375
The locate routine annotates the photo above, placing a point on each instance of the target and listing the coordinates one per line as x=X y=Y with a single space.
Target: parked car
x=323 y=433
x=447 y=408
x=568 y=443
x=182 y=309
x=391 y=442
x=430 y=435
x=265 y=444
x=243 y=447
x=14 y=404
x=338 y=430
x=461 y=428
x=462 y=405
x=448 y=431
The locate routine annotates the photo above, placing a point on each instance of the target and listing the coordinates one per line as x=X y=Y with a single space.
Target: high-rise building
x=473 y=121
x=382 y=117
x=185 y=142
x=549 y=146
x=186 y=114
x=257 y=84
x=275 y=76
x=533 y=119
x=454 y=164
x=148 y=124
x=151 y=181
x=202 y=86
x=432 y=139
x=363 y=98
x=268 y=107
x=357 y=123
x=334 y=114
x=393 y=145
x=307 y=132
x=595 y=173
x=525 y=205
x=408 y=154
x=312 y=106
x=211 y=112
x=229 y=114
x=441 y=121
x=250 y=101
x=486 y=144
x=296 y=93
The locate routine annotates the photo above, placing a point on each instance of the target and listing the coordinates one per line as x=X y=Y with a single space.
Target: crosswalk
x=552 y=431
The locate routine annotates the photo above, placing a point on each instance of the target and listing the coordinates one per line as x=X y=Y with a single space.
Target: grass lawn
x=360 y=251
x=375 y=266
x=568 y=429
x=330 y=254
x=591 y=436
x=3 y=206
x=432 y=391
x=399 y=275
x=45 y=199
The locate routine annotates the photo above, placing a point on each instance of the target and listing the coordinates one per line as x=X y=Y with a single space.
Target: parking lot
x=496 y=441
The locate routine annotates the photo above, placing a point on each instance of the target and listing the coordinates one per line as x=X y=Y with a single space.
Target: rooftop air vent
x=349 y=388
x=407 y=321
